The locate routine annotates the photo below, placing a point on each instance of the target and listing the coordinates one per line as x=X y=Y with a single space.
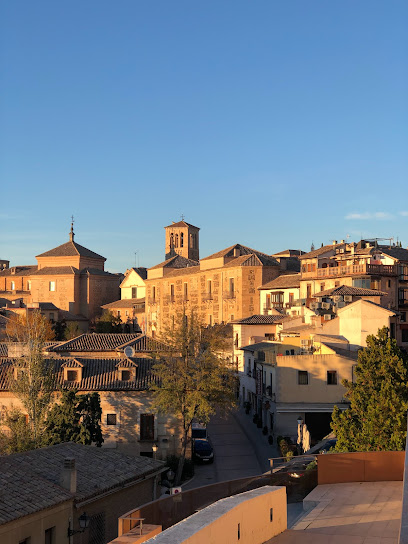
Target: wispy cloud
x=404 y=214
x=370 y=215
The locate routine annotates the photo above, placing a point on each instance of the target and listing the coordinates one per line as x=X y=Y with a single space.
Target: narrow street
x=237 y=453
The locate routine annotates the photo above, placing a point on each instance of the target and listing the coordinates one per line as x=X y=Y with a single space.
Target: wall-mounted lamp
x=84 y=520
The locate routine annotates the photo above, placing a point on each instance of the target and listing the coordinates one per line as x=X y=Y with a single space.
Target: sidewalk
x=259 y=442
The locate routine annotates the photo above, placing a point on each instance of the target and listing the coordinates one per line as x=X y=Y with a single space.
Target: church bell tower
x=182 y=239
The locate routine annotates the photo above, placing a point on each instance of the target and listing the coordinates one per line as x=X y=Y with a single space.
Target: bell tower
x=182 y=239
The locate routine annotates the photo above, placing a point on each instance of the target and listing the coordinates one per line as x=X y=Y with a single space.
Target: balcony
x=352 y=270
x=170 y=298
x=207 y=296
x=273 y=305
x=229 y=294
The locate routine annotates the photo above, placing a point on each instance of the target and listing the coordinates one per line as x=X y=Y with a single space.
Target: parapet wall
x=372 y=466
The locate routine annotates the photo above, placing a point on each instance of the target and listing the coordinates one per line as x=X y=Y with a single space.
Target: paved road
x=234 y=455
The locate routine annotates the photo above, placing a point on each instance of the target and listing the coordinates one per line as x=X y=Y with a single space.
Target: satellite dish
x=129 y=351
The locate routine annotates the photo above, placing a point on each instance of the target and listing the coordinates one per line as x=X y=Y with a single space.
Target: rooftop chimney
x=69 y=475
x=334 y=242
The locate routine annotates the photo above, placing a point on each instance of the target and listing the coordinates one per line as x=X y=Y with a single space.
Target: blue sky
x=269 y=123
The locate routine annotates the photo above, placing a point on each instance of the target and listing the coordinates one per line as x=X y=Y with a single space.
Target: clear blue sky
x=272 y=123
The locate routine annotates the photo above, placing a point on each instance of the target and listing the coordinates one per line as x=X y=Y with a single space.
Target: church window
x=171 y=240
x=176 y=241
x=181 y=240
x=52 y=286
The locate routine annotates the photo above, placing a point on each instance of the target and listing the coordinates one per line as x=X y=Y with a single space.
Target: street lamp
x=84 y=520
x=155 y=447
x=299 y=420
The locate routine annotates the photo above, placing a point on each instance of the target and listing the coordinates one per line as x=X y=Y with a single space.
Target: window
x=110 y=419
x=181 y=240
x=146 y=427
x=126 y=312
x=336 y=284
x=172 y=292
x=270 y=336
x=176 y=240
x=28 y=285
x=118 y=313
x=322 y=286
x=134 y=292
x=51 y=316
x=404 y=337
x=231 y=286
x=331 y=377
x=388 y=283
x=365 y=283
x=13 y=286
x=303 y=377
x=49 y=536
x=51 y=286
x=308 y=290
x=185 y=291
x=209 y=287
x=171 y=241
x=271 y=514
x=72 y=375
x=154 y=293
x=376 y=284
x=291 y=298
x=125 y=375
x=210 y=320
x=232 y=317
x=236 y=340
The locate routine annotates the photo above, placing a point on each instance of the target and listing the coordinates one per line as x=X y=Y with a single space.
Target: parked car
x=203 y=451
x=198 y=430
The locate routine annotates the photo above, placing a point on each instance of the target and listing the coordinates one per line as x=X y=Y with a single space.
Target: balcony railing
x=207 y=296
x=352 y=270
x=273 y=305
x=229 y=294
x=170 y=298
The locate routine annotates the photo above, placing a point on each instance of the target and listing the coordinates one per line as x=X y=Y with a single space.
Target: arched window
x=171 y=241
x=181 y=240
x=176 y=241
x=191 y=241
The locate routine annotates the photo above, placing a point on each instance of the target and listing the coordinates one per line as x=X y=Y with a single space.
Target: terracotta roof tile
x=37 y=476
x=267 y=260
x=71 y=249
x=177 y=261
x=55 y=270
x=181 y=224
x=261 y=319
x=125 y=303
x=320 y=251
x=145 y=344
x=346 y=290
x=96 y=342
x=284 y=281
x=25 y=270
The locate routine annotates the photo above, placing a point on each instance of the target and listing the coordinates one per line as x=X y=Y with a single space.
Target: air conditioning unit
x=341 y=304
x=348 y=298
x=327 y=317
x=326 y=305
x=312 y=305
x=175 y=490
x=318 y=305
x=338 y=298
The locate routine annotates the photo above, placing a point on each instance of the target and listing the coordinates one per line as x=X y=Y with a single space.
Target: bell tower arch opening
x=182 y=239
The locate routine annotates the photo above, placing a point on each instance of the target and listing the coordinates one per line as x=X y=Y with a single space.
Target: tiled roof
x=399 y=253
x=24 y=270
x=71 y=249
x=142 y=271
x=175 y=262
x=320 y=251
x=189 y=271
x=285 y=281
x=72 y=363
x=56 y=270
x=289 y=253
x=34 y=476
x=145 y=344
x=69 y=316
x=97 y=374
x=97 y=272
x=346 y=290
x=181 y=224
x=124 y=303
x=261 y=320
x=96 y=342
x=258 y=346
x=3 y=349
x=25 y=491
x=267 y=260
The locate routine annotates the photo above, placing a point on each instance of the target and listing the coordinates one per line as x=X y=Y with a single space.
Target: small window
x=28 y=285
x=239 y=531
x=185 y=291
x=210 y=320
x=72 y=375
x=13 y=286
x=52 y=286
x=146 y=427
x=209 y=287
x=49 y=536
x=134 y=292
x=153 y=293
x=388 y=283
x=231 y=286
x=181 y=240
x=176 y=240
x=118 y=313
x=322 y=287
x=172 y=292
x=125 y=375
x=51 y=316
x=303 y=377
x=126 y=312
x=404 y=337
x=271 y=514
x=331 y=377
x=111 y=419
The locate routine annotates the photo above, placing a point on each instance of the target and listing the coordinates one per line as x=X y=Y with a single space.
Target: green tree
x=31 y=378
x=76 y=418
x=194 y=377
x=376 y=419
x=17 y=437
x=72 y=330
x=108 y=323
